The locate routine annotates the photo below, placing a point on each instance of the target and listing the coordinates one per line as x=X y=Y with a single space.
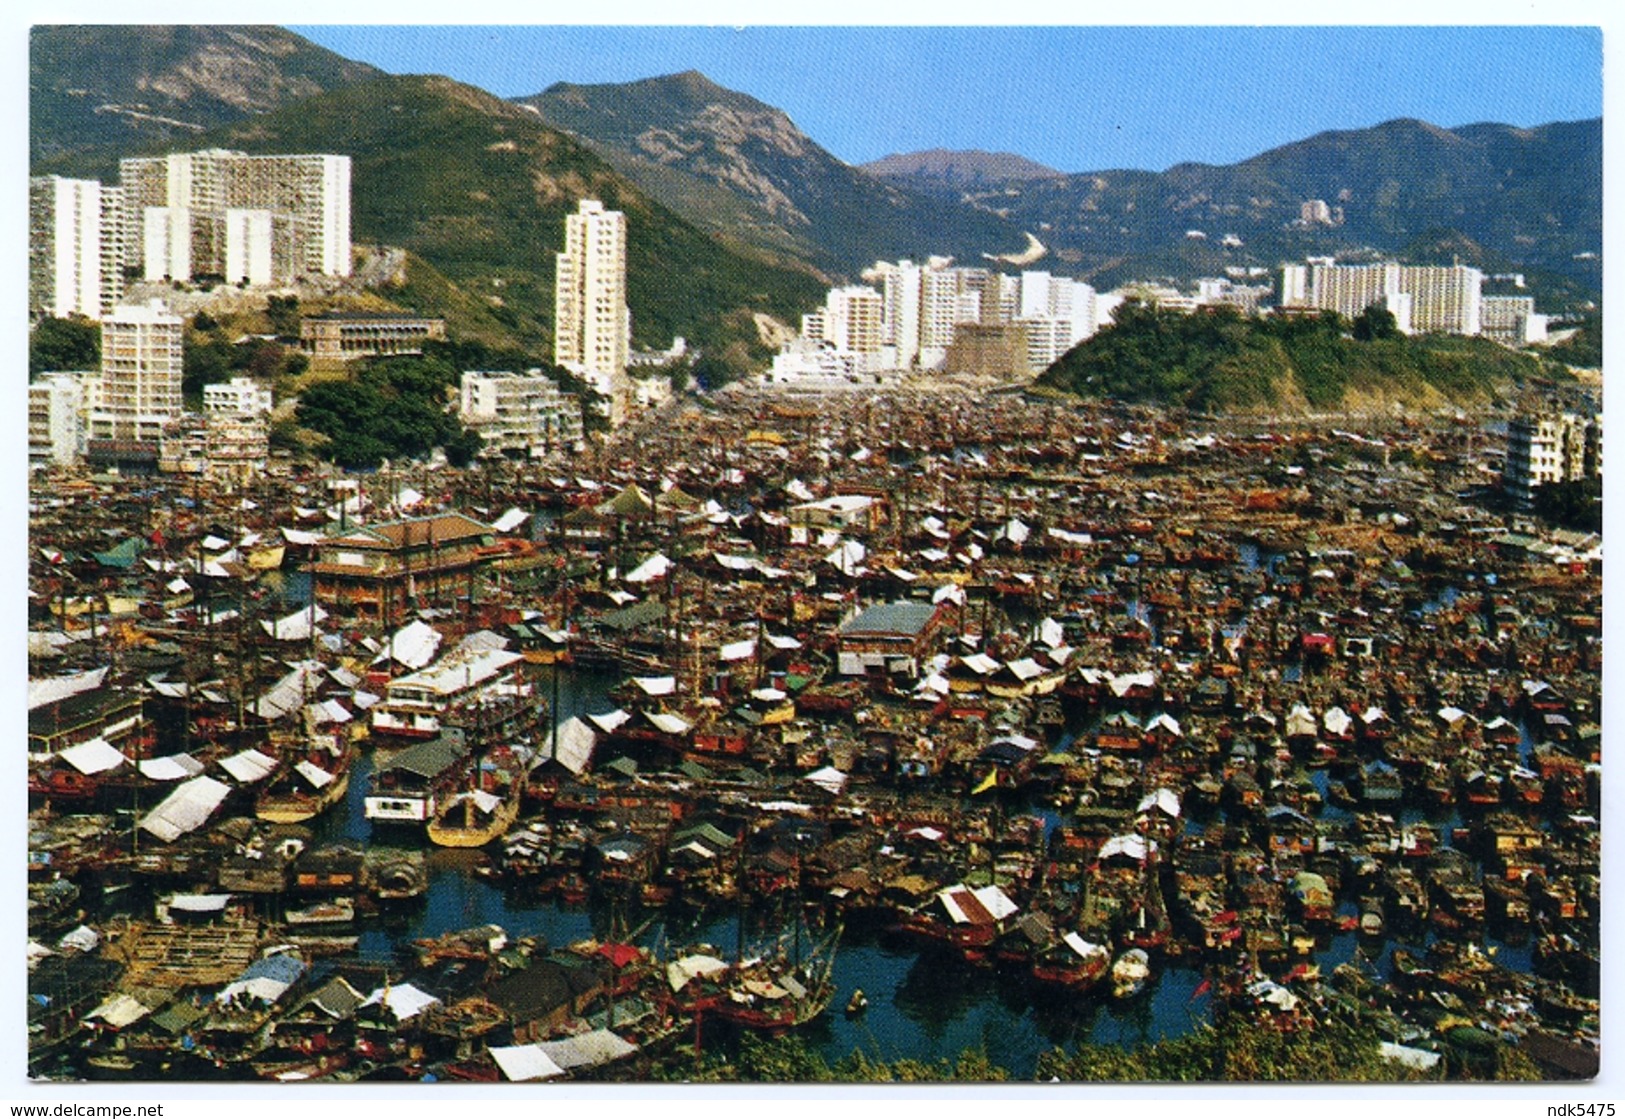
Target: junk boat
x=311 y=785
x=477 y=816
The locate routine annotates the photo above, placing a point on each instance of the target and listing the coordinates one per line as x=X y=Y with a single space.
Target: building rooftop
x=907 y=619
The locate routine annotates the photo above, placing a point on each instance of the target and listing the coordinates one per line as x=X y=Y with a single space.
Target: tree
x=205 y=359
x=463 y=447
x=1374 y=323
x=283 y=311
x=1575 y=505
x=73 y=343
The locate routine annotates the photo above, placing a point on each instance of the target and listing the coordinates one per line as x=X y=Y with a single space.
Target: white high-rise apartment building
x=1043 y=299
x=939 y=312
x=591 y=336
x=73 y=262
x=853 y=319
x=1512 y=319
x=254 y=218
x=141 y=374
x=1444 y=300
x=1544 y=448
x=900 y=290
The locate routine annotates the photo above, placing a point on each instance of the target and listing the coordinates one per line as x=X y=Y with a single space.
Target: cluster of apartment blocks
x=129 y=411
x=937 y=316
x=912 y=316
x=244 y=219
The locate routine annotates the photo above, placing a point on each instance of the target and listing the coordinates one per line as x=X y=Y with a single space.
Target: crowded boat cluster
x=1071 y=692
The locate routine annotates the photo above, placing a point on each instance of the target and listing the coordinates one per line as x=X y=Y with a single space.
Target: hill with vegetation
x=93 y=88
x=1222 y=361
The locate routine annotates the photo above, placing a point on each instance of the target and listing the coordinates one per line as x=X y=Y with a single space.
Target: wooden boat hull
x=442 y=833
x=296 y=809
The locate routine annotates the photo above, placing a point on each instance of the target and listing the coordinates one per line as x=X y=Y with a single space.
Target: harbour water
x=924 y=1007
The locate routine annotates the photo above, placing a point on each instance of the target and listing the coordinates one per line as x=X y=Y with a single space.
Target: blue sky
x=1076 y=98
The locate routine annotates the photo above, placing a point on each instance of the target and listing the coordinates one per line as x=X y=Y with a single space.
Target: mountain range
x=686 y=139
x=735 y=213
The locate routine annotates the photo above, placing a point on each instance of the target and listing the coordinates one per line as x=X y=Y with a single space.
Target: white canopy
x=172 y=767
x=992 y=899
x=980 y=663
x=1082 y=947
x=588 y=1050
x=1136 y=847
x=1337 y=721
x=656 y=685
x=296 y=626
x=510 y=520
x=186 y=809
x=315 y=774
x=830 y=779
x=249 y=766
x=120 y=1010
x=738 y=650
x=1165 y=800
x=524 y=1062
x=404 y=1001
x=574 y=747
x=53 y=688
x=96 y=756
x=668 y=723
x=680 y=971
x=848 y=558
x=609 y=720
x=82 y=939
x=655 y=567
x=291 y=692
x=412 y=646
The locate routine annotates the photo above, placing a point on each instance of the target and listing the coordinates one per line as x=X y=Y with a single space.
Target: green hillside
x=1222 y=362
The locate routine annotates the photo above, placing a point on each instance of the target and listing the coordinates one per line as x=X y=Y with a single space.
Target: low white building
x=521 y=412
x=243 y=396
